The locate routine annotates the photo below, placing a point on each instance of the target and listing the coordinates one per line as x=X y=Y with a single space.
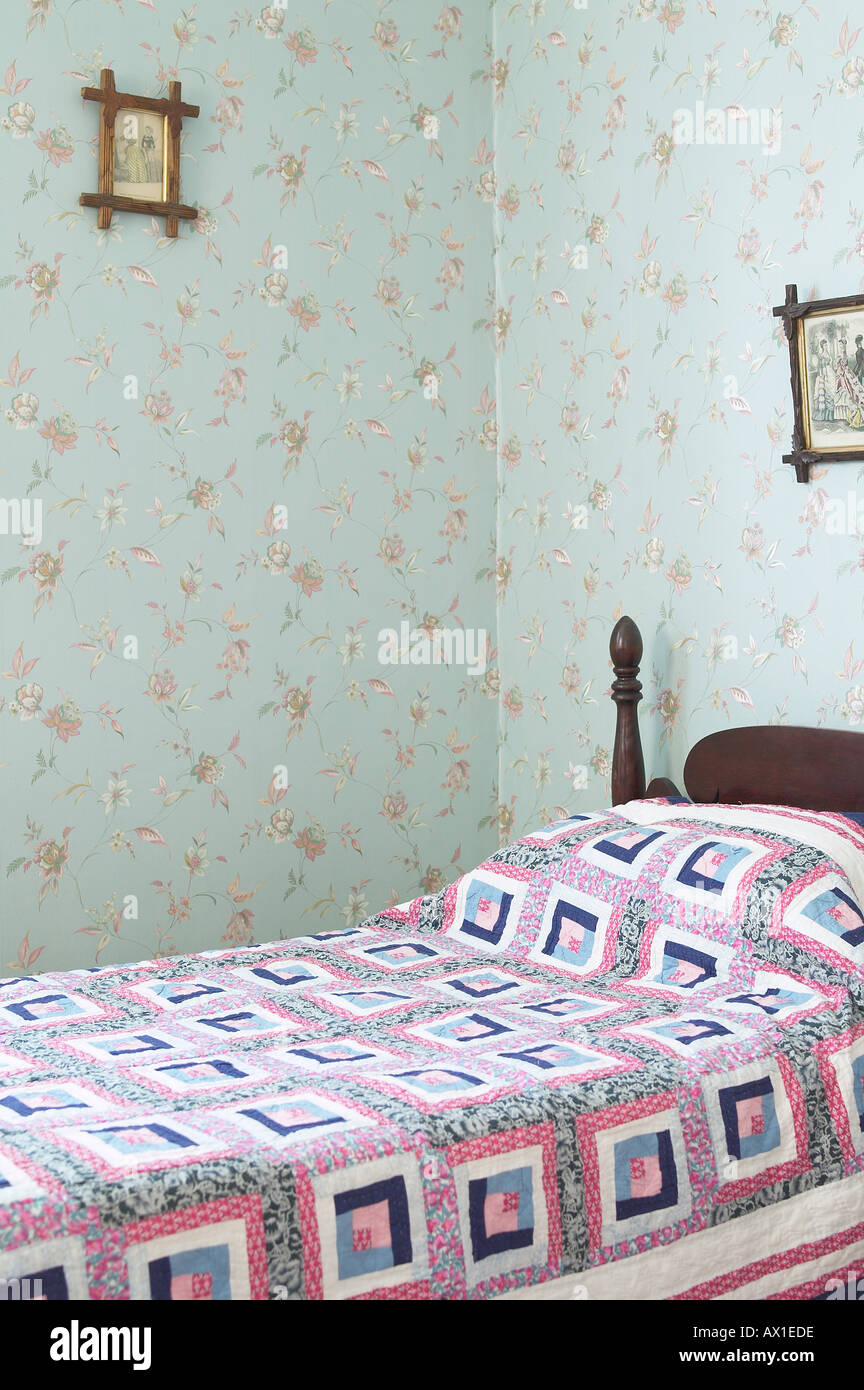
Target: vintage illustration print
x=139 y=155
x=833 y=371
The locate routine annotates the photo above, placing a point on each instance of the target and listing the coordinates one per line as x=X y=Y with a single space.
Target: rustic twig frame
x=834 y=376
x=156 y=153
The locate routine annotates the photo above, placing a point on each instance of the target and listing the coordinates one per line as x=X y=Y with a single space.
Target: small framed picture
x=831 y=344
x=826 y=349
x=139 y=154
x=140 y=148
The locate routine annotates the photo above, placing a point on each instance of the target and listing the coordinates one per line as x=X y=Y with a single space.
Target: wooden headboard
x=779 y=765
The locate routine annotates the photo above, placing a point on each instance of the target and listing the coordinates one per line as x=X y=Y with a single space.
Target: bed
x=621 y=1059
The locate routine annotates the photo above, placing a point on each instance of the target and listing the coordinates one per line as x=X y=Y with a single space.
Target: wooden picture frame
x=144 y=153
x=827 y=381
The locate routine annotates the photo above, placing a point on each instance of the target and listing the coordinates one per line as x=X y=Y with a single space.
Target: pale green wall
x=705 y=537
x=391 y=787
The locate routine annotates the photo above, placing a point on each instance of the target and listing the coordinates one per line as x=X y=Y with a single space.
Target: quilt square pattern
x=159 y=1141
x=191 y=1274
x=487 y=909
x=464 y=1029
x=338 y=1054
x=636 y=1172
x=122 y=1047
x=340 y=935
x=485 y=983
x=677 y=963
x=293 y=1118
x=214 y=1252
x=646 y=1178
x=508 y=1204
x=281 y=974
x=57 y=1268
x=710 y=872
x=434 y=1088
x=252 y=1021
x=570 y=1008
x=624 y=852
x=42 y=1008
x=366 y=1002
x=826 y=919
x=835 y=912
x=501 y=1212
x=172 y=993
x=750 y=1118
x=398 y=955
x=558 y=1060
x=689 y=1034
x=13 y=985
x=51 y=1102
x=773 y=997
x=758 y=1126
x=562 y=829
x=194 y=1076
x=370 y=1227
x=574 y=932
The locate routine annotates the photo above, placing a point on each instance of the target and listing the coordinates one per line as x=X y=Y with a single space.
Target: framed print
x=826 y=350
x=140 y=148
x=139 y=154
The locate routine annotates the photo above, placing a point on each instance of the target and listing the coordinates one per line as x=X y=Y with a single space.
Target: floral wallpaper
x=472 y=339
x=664 y=168
x=231 y=461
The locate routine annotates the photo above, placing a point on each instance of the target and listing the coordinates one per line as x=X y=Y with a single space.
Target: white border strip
x=682 y=1264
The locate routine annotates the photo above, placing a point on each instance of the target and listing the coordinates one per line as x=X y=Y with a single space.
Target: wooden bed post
x=628 y=765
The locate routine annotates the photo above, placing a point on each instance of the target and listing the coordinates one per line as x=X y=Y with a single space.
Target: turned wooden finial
x=628 y=764
x=625 y=648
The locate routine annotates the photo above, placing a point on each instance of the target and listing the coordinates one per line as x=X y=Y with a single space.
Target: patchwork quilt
x=623 y=1058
